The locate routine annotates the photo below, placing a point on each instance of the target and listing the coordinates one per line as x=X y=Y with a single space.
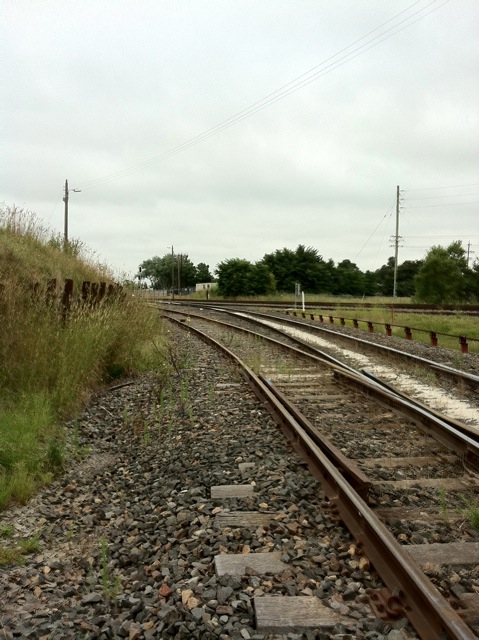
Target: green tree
x=350 y=279
x=203 y=273
x=239 y=277
x=304 y=265
x=167 y=270
x=406 y=273
x=443 y=277
x=473 y=282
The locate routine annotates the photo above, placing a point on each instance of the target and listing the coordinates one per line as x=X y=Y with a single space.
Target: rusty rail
x=388 y=327
x=410 y=592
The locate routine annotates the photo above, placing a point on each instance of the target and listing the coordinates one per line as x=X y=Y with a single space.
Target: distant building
x=204 y=286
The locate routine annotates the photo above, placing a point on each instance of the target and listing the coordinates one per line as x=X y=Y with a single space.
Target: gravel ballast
x=129 y=535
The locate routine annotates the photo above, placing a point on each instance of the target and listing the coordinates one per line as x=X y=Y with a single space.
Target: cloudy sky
x=232 y=128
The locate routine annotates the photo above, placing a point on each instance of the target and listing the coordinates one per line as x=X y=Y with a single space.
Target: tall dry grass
x=51 y=362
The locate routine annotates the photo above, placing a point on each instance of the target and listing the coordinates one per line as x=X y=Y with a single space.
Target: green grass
x=421 y=324
x=15 y=555
x=52 y=363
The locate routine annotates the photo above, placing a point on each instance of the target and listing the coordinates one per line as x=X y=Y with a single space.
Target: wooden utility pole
x=179 y=260
x=65 y=223
x=396 y=243
x=172 y=273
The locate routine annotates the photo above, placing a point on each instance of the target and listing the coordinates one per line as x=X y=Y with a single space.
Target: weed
x=184 y=392
x=11 y=555
x=211 y=393
x=443 y=501
x=146 y=435
x=6 y=531
x=30 y=545
x=471 y=512
x=110 y=586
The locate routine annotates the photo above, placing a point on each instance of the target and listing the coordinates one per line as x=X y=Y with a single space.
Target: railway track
x=455 y=391
x=405 y=490
x=184 y=494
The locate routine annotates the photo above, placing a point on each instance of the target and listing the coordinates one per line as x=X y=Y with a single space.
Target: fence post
x=463 y=343
x=355 y=323
x=85 y=290
x=408 y=332
x=331 y=319
x=389 y=331
x=370 y=327
x=321 y=319
x=433 y=338
x=311 y=315
x=67 y=297
x=342 y=321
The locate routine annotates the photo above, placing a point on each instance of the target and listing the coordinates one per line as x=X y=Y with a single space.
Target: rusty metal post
x=370 y=327
x=408 y=333
x=433 y=338
x=355 y=323
x=321 y=319
x=331 y=319
x=311 y=315
x=389 y=331
x=463 y=343
x=67 y=298
x=342 y=321
x=303 y=315
x=85 y=290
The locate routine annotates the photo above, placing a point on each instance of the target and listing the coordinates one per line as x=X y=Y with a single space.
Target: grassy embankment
x=50 y=365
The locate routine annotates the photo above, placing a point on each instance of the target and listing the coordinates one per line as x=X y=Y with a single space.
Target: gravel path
x=127 y=537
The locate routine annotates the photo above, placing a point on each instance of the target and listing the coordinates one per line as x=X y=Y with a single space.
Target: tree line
x=442 y=277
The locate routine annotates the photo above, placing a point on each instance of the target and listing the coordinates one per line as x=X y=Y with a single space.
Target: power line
x=279 y=94
x=453 y=186
x=455 y=195
x=445 y=204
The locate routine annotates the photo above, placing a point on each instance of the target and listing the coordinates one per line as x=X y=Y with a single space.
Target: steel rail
x=429 y=612
x=469 y=378
x=460 y=426
x=441 y=427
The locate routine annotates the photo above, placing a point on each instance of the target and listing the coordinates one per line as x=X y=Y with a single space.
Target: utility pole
x=172 y=273
x=396 y=243
x=65 y=224
x=179 y=260
x=469 y=252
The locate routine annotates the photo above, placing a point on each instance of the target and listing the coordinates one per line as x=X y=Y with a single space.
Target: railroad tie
x=232 y=491
x=452 y=553
x=274 y=614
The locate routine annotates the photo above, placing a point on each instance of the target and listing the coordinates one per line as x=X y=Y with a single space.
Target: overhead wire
x=285 y=90
x=453 y=186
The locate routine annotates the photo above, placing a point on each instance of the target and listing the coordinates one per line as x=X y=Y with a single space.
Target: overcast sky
x=232 y=128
